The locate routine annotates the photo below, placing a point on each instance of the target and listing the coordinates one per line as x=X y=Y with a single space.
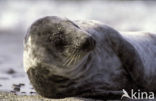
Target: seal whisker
x=76 y=58
x=67 y=60
x=71 y=60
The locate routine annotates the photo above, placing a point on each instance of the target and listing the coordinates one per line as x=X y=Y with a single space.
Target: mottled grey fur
x=108 y=60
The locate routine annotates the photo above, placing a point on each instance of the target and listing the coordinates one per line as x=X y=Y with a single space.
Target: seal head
x=53 y=48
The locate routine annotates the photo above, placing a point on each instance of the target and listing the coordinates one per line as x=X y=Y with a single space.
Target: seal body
x=66 y=58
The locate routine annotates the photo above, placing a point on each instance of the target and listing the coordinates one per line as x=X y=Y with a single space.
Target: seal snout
x=88 y=44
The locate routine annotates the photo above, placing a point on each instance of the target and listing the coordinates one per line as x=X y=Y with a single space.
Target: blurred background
x=17 y=15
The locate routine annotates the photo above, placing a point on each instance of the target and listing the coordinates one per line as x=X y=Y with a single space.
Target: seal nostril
x=89 y=44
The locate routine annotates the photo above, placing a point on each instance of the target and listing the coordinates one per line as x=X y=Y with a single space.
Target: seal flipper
x=129 y=58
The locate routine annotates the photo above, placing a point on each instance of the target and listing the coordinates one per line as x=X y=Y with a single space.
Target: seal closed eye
x=59 y=41
x=66 y=58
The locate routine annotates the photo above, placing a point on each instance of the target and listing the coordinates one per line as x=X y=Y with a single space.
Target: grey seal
x=65 y=58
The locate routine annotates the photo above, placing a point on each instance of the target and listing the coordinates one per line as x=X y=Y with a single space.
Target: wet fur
x=114 y=64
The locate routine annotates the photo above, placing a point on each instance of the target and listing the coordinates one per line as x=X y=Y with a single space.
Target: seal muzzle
x=88 y=45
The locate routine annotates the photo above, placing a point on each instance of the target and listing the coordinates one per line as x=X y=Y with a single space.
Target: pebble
x=23 y=92
x=21 y=84
x=18 y=85
x=13 y=92
x=11 y=71
x=32 y=92
x=17 y=89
